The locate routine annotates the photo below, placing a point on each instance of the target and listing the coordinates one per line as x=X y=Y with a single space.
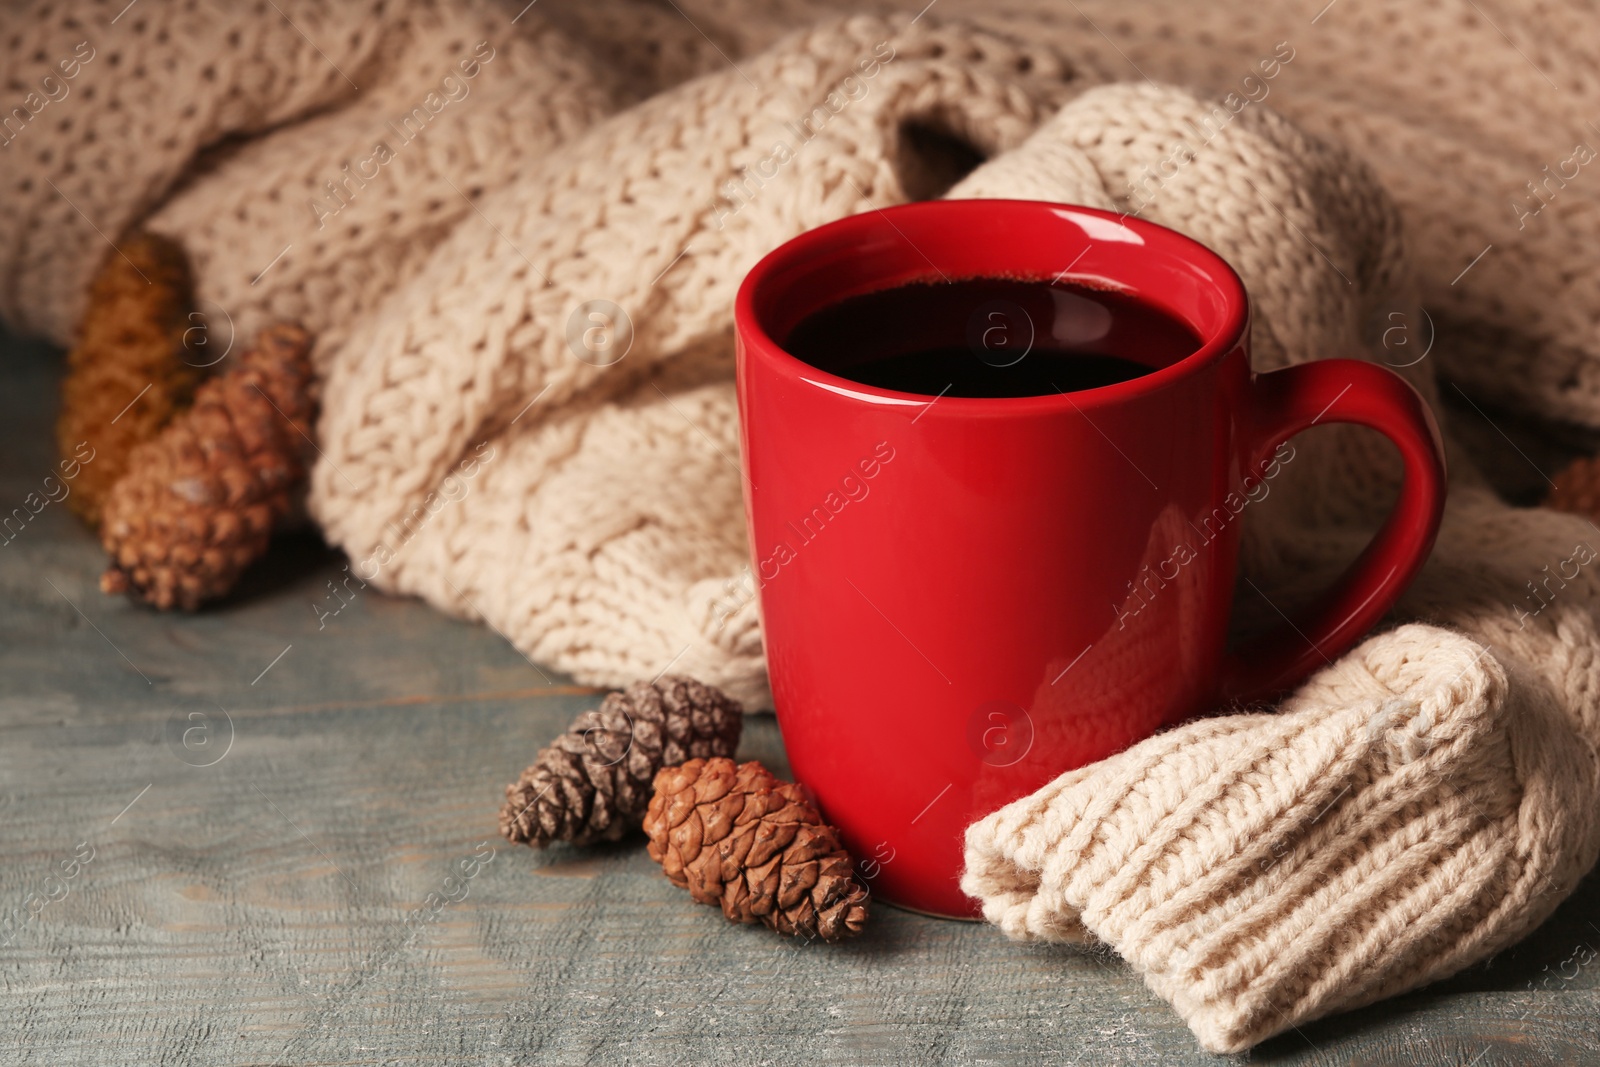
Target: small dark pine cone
x=593 y=782
x=737 y=837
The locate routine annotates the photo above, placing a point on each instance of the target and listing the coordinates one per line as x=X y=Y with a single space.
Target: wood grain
x=263 y=907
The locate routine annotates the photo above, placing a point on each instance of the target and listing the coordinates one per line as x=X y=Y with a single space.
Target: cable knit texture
x=517 y=233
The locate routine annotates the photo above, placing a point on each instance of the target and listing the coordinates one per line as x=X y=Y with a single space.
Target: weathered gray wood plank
x=254 y=911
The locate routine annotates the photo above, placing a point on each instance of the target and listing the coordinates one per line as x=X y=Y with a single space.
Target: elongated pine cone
x=198 y=504
x=126 y=376
x=1577 y=489
x=593 y=782
x=738 y=837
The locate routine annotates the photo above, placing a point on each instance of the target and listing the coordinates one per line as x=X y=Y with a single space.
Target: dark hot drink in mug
x=990 y=337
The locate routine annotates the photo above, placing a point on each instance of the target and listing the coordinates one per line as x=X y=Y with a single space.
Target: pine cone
x=198 y=503
x=1577 y=489
x=126 y=377
x=738 y=837
x=593 y=782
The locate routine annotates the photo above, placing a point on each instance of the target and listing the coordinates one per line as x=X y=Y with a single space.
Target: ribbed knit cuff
x=1263 y=870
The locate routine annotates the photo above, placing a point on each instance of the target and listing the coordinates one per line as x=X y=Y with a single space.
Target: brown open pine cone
x=737 y=837
x=199 y=502
x=126 y=374
x=1577 y=488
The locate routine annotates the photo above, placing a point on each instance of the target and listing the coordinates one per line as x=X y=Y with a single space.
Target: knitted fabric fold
x=1409 y=812
x=612 y=475
x=1479 y=120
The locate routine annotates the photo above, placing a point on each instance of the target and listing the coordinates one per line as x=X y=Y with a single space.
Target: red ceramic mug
x=963 y=598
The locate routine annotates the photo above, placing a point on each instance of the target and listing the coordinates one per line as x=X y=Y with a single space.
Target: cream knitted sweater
x=518 y=236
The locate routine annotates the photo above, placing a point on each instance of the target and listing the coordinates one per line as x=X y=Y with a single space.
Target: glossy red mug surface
x=963 y=598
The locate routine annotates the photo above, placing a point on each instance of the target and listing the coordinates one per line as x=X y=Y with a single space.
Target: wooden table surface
x=253 y=806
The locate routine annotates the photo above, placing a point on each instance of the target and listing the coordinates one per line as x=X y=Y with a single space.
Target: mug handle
x=1281 y=404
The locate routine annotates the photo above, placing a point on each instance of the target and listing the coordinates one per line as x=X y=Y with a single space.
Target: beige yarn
x=1469 y=112
x=1418 y=804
